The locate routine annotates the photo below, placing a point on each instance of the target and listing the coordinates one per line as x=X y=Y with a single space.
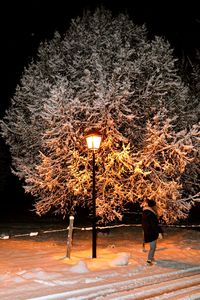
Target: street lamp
x=93 y=140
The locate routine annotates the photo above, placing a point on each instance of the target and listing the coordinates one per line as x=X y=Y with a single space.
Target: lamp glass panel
x=93 y=141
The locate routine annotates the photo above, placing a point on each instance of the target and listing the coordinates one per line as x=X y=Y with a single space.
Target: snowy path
x=168 y=288
x=37 y=269
x=136 y=287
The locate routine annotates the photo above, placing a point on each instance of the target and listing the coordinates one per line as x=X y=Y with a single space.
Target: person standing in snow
x=151 y=228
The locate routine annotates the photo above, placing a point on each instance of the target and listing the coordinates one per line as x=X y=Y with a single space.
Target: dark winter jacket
x=150 y=225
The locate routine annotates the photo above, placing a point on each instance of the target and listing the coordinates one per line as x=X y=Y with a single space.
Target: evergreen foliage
x=104 y=73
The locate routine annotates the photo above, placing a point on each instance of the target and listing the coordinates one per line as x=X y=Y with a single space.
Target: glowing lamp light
x=93 y=140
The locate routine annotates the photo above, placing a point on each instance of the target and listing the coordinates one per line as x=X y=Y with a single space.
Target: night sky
x=24 y=24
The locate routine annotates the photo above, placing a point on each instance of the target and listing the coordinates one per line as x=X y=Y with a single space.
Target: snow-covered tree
x=104 y=73
x=4 y=172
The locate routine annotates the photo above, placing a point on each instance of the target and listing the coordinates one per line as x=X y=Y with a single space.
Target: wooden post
x=69 y=238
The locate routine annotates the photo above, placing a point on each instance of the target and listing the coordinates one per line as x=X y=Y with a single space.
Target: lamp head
x=93 y=139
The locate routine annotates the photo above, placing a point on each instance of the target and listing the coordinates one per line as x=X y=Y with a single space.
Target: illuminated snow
x=36 y=267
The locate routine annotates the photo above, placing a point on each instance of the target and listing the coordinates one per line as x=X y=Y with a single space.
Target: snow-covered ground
x=36 y=267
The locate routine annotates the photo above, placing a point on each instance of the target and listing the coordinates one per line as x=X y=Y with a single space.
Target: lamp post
x=93 y=142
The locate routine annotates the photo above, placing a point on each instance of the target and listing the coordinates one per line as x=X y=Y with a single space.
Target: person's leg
x=151 y=251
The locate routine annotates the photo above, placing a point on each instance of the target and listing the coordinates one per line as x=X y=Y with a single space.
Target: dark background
x=24 y=24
